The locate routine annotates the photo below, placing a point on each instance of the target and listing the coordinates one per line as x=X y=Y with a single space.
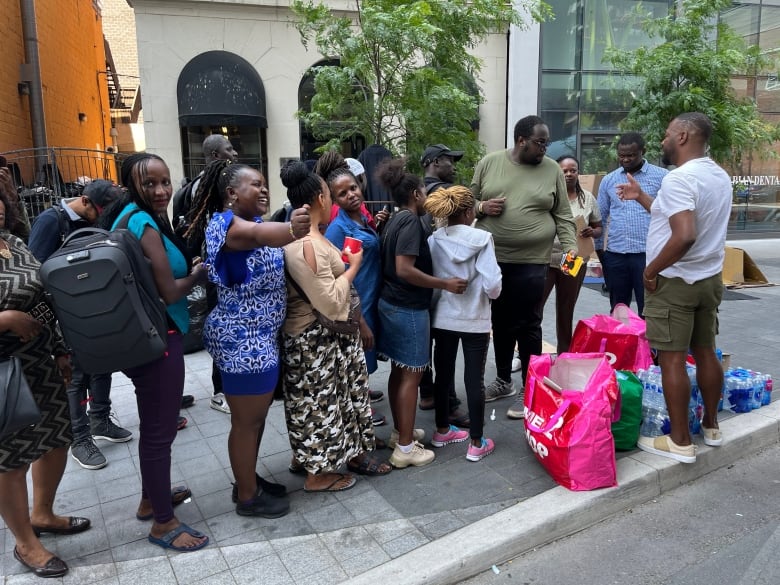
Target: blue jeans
x=99 y=386
x=625 y=278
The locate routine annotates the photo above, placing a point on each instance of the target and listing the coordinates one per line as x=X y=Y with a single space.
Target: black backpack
x=102 y=290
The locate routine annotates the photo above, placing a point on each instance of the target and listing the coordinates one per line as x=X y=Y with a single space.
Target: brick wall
x=70 y=47
x=119 y=30
x=14 y=112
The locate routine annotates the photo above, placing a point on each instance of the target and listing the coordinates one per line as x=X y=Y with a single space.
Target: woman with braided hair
x=350 y=221
x=246 y=263
x=326 y=383
x=159 y=384
x=458 y=249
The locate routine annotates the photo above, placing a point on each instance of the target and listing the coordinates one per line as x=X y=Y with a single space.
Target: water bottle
x=655 y=418
x=737 y=390
x=757 y=389
x=766 y=398
x=696 y=404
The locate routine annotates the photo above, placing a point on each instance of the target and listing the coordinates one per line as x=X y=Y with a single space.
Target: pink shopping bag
x=621 y=336
x=570 y=403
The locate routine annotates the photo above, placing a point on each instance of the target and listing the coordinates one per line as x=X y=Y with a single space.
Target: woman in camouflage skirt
x=326 y=381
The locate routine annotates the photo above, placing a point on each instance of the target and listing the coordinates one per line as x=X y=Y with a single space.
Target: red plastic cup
x=351 y=245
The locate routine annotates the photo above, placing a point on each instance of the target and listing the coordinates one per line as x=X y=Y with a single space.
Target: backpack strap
x=62 y=222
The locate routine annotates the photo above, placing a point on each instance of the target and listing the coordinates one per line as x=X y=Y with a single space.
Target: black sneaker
x=87 y=454
x=275 y=489
x=105 y=428
x=264 y=505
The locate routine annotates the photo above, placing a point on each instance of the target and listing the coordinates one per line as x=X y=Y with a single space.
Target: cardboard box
x=591 y=183
x=739 y=270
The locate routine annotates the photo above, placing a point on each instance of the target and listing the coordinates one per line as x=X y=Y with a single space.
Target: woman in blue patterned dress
x=246 y=263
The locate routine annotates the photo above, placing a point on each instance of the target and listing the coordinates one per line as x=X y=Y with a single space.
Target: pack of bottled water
x=745 y=390
x=655 y=417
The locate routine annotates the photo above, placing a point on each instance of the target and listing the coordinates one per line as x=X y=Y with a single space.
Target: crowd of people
x=296 y=311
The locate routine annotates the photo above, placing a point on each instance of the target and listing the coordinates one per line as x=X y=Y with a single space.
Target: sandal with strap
x=166 y=541
x=366 y=464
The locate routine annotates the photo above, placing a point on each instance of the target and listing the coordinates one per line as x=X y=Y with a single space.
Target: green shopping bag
x=626 y=430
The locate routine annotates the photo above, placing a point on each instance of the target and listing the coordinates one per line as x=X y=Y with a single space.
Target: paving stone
x=198 y=565
x=268 y=570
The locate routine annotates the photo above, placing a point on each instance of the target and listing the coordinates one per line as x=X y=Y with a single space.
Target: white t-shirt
x=701 y=186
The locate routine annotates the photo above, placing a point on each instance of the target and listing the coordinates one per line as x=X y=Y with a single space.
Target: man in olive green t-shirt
x=521 y=200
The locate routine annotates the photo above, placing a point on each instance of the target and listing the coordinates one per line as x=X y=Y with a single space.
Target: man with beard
x=625 y=222
x=685 y=250
x=521 y=200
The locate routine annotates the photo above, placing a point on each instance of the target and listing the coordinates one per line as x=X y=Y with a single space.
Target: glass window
x=559 y=91
x=559 y=36
x=616 y=24
x=743 y=18
x=606 y=92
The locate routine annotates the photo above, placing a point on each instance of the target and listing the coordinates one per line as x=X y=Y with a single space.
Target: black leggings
x=475 y=350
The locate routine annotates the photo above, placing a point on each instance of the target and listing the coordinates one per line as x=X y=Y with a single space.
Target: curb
x=559 y=512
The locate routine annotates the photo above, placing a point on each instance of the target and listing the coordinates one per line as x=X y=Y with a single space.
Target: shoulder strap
x=295 y=285
x=62 y=222
x=125 y=221
x=434 y=186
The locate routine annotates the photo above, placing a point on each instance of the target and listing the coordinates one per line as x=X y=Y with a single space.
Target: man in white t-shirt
x=685 y=249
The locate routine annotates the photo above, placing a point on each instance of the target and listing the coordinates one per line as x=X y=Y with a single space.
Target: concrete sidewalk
x=437 y=524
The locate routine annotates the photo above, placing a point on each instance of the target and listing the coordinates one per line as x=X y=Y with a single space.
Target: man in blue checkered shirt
x=626 y=222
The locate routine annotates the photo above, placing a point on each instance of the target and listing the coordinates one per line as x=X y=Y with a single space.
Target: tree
x=405 y=77
x=691 y=69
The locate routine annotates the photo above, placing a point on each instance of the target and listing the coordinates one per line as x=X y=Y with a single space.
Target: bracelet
x=479 y=209
x=649 y=279
x=292 y=233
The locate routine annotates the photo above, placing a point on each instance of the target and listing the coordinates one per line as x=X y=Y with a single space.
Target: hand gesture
x=300 y=222
x=22 y=324
x=353 y=258
x=494 y=206
x=63 y=363
x=201 y=273
x=586 y=232
x=366 y=335
x=629 y=191
x=382 y=216
x=456 y=285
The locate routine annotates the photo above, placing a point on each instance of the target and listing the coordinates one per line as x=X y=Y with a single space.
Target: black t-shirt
x=404 y=236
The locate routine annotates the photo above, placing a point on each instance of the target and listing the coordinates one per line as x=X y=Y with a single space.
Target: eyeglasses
x=543 y=144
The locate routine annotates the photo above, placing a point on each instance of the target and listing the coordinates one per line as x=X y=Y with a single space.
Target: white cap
x=355 y=166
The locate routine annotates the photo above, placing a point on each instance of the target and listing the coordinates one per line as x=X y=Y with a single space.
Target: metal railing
x=43 y=176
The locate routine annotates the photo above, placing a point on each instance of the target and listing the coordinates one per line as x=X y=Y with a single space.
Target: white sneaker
x=417 y=435
x=418 y=456
x=517 y=365
x=219 y=402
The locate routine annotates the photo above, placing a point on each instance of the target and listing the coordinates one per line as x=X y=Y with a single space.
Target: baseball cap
x=102 y=193
x=355 y=166
x=438 y=150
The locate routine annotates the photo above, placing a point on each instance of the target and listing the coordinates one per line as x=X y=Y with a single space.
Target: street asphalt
x=441 y=523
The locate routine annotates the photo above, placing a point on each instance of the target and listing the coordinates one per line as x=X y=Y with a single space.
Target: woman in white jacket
x=459 y=250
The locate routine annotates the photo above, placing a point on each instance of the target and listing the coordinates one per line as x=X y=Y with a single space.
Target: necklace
x=5 y=252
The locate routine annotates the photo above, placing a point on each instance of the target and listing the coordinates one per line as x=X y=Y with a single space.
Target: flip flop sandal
x=179 y=495
x=332 y=487
x=369 y=465
x=166 y=541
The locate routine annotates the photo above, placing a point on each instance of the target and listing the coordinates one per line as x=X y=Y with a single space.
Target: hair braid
x=331 y=166
x=210 y=196
x=449 y=202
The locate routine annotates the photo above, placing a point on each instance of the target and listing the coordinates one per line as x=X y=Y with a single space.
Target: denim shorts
x=404 y=335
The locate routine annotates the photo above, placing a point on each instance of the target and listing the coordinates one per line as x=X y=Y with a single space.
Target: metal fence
x=43 y=176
